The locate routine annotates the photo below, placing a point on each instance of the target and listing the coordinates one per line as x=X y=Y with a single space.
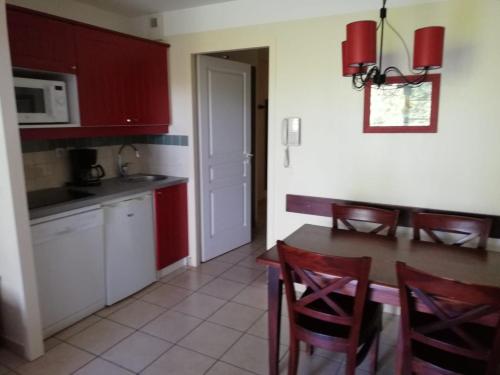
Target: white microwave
x=41 y=101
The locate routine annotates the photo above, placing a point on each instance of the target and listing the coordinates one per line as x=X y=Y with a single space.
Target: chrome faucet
x=123 y=167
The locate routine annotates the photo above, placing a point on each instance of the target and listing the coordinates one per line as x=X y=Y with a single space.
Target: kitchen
x=305 y=83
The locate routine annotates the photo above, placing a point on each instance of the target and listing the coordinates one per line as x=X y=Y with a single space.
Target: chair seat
x=371 y=318
x=443 y=359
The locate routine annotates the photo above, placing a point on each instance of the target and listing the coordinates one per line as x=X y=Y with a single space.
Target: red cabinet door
x=171 y=225
x=40 y=42
x=102 y=81
x=151 y=85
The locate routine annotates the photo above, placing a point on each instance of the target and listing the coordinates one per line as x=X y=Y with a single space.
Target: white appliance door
x=224 y=115
x=129 y=247
x=69 y=259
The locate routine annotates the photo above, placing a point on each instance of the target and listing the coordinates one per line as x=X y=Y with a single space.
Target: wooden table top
x=463 y=264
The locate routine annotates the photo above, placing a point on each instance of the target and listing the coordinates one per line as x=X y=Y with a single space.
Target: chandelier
x=359 y=53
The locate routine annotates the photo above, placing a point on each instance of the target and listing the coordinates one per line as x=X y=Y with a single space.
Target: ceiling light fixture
x=359 y=52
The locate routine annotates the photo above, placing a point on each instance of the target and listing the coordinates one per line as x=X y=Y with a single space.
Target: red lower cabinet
x=171 y=225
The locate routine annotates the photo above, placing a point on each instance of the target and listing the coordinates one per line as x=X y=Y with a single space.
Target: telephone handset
x=290 y=136
x=291 y=131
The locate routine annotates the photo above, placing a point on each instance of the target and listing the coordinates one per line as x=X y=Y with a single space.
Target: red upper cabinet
x=39 y=42
x=122 y=80
x=102 y=84
x=171 y=225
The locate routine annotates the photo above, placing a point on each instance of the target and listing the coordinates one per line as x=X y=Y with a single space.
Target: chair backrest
x=387 y=219
x=324 y=275
x=471 y=227
x=456 y=308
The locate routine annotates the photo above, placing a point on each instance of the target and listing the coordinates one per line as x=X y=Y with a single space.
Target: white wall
x=79 y=12
x=455 y=169
x=21 y=326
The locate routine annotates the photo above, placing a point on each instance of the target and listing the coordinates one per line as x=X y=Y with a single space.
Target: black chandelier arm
x=421 y=78
x=358 y=81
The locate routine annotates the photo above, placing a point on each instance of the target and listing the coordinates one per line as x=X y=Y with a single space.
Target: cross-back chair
x=452 y=337
x=473 y=228
x=387 y=219
x=323 y=317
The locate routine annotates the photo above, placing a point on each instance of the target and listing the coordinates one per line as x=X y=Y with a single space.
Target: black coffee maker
x=84 y=170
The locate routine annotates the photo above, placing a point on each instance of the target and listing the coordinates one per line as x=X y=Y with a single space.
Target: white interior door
x=224 y=118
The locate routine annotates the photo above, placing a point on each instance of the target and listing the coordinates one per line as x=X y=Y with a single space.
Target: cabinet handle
x=73 y=67
x=128 y=120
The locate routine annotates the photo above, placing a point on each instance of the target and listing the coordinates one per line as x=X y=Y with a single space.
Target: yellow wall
x=457 y=169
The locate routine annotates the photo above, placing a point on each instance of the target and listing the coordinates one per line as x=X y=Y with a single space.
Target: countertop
x=110 y=189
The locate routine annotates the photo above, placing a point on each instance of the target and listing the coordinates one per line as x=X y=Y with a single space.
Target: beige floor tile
x=253 y=296
x=11 y=360
x=78 y=327
x=49 y=343
x=191 y=280
x=259 y=328
x=234 y=315
x=250 y=262
x=221 y=368
x=225 y=289
x=100 y=337
x=213 y=267
x=180 y=361
x=137 y=351
x=250 y=353
x=101 y=367
x=233 y=257
x=147 y=290
x=62 y=360
x=107 y=311
x=173 y=274
x=137 y=314
x=167 y=296
x=312 y=365
x=171 y=326
x=210 y=339
x=199 y=305
x=261 y=281
x=241 y=274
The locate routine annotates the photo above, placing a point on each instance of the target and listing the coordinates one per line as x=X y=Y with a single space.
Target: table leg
x=275 y=288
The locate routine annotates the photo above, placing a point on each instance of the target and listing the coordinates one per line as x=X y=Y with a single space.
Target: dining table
x=467 y=265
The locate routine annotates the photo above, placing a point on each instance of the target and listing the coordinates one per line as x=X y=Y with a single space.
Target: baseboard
x=13 y=346
x=173 y=267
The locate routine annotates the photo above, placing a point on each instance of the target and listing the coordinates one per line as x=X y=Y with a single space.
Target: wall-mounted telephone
x=291 y=132
x=290 y=136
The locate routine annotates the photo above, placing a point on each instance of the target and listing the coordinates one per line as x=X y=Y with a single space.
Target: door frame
x=197 y=145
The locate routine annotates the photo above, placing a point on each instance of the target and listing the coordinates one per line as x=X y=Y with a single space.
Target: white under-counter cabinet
x=69 y=260
x=129 y=246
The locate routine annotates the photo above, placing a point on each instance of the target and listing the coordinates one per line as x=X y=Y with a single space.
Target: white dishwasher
x=69 y=259
x=129 y=246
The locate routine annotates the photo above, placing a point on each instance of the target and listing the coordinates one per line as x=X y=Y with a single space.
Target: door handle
x=248 y=156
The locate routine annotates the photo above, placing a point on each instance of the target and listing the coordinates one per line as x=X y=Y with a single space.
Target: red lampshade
x=362 y=41
x=428 y=48
x=349 y=71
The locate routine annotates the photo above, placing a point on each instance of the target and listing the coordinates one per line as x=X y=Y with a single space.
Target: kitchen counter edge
x=110 y=189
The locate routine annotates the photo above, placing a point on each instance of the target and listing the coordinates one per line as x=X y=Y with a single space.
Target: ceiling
x=133 y=8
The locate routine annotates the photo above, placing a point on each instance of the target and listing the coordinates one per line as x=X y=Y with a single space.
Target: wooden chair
x=449 y=340
x=471 y=227
x=324 y=318
x=388 y=219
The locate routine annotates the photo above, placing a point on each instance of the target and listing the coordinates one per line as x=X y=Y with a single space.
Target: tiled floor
x=208 y=320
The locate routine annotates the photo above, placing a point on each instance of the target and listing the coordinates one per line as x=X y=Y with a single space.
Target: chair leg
x=374 y=354
x=350 y=365
x=293 y=357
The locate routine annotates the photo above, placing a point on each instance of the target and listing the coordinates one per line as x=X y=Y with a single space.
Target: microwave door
x=31 y=104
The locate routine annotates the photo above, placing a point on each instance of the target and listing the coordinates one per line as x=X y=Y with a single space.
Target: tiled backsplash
x=46 y=163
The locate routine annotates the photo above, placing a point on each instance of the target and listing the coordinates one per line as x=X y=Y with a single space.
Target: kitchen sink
x=144 y=178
